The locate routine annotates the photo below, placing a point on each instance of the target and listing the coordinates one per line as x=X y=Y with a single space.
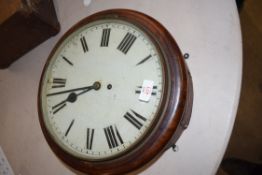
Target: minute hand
x=95 y=86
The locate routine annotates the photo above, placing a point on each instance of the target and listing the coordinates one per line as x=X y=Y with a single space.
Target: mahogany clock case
x=174 y=113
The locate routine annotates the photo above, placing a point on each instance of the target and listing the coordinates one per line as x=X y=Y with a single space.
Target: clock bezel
x=171 y=110
x=53 y=57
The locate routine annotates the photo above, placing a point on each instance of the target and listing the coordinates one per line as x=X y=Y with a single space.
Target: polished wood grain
x=173 y=115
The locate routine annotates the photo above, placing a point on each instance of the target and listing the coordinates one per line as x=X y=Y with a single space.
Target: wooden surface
x=176 y=104
x=24 y=25
x=8 y=8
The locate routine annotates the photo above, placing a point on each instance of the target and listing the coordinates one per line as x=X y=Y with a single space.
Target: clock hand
x=72 y=97
x=95 y=86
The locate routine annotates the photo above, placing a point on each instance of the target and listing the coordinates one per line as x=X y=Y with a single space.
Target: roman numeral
x=58 y=107
x=66 y=60
x=84 y=45
x=59 y=82
x=105 y=37
x=70 y=126
x=126 y=43
x=144 y=60
x=89 y=138
x=139 y=88
x=113 y=137
x=135 y=119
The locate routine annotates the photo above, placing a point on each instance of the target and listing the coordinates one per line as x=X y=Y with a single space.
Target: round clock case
x=168 y=119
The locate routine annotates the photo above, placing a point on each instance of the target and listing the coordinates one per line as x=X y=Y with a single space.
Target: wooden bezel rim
x=173 y=106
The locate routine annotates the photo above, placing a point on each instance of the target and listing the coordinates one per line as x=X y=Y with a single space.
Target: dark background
x=246 y=139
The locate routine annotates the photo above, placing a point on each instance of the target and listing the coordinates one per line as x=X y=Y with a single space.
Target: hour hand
x=95 y=86
x=72 y=97
x=59 y=106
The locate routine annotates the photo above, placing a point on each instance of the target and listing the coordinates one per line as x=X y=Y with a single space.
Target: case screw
x=186 y=55
x=175 y=148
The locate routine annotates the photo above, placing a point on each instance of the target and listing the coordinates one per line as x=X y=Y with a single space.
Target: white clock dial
x=102 y=89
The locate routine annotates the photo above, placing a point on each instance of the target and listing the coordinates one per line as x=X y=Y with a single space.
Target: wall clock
x=114 y=94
